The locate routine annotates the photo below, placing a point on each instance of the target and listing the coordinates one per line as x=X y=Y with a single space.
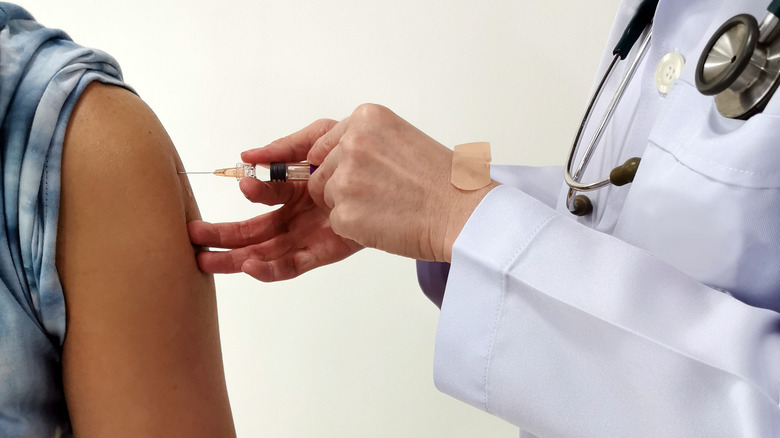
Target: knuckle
x=346 y=183
x=343 y=221
x=363 y=110
x=337 y=222
x=360 y=156
x=245 y=230
x=316 y=192
x=352 y=140
x=254 y=253
x=356 y=148
x=342 y=184
x=321 y=126
x=371 y=111
x=286 y=269
x=301 y=262
x=236 y=260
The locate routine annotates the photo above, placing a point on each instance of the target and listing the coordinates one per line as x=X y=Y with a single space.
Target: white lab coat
x=657 y=315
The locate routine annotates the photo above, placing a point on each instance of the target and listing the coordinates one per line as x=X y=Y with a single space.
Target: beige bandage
x=471 y=166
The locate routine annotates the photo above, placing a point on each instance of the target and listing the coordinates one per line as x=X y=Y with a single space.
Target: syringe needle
x=231 y=172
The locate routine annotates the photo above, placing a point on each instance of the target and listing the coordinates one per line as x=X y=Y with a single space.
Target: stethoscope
x=740 y=66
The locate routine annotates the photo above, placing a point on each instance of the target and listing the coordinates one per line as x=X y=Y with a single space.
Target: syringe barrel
x=291 y=171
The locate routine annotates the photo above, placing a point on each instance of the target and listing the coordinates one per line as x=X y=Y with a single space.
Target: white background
x=344 y=351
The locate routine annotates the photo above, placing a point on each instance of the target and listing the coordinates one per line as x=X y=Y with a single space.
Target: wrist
x=462 y=206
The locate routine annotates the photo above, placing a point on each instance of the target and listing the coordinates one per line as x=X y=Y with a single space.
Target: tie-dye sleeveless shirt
x=42 y=74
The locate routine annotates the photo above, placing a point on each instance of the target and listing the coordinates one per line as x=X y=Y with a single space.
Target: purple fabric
x=432 y=277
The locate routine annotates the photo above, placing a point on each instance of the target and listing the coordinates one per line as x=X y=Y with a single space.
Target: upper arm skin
x=142 y=353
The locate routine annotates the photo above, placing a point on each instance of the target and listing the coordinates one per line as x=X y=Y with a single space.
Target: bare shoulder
x=142 y=353
x=115 y=136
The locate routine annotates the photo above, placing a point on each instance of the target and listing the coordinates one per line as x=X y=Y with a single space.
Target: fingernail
x=244 y=154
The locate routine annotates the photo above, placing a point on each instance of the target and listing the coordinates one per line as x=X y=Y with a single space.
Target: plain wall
x=344 y=351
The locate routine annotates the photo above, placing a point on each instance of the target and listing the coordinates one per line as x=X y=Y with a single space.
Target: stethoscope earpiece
x=625 y=173
x=620 y=176
x=581 y=206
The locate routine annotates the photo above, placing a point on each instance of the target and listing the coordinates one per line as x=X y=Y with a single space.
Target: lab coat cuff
x=543 y=183
x=480 y=256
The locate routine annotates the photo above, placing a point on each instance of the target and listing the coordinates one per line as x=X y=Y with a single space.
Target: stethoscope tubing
x=573 y=176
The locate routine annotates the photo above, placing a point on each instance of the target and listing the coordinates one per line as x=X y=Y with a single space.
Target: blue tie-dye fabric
x=42 y=74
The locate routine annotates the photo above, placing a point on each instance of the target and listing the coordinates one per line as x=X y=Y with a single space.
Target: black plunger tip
x=279 y=172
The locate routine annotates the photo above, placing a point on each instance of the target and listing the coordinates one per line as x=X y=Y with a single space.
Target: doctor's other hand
x=284 y=243
x=387 y=185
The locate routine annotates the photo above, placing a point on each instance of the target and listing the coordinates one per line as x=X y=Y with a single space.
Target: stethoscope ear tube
x=573 y=175
x=639 y=22
x=774 y=8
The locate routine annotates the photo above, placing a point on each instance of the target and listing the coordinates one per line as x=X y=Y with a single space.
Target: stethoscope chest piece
x=739 y=67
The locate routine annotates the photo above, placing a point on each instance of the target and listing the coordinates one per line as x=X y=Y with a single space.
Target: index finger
x=233 y=234
x=293 y=147
x=326 y=143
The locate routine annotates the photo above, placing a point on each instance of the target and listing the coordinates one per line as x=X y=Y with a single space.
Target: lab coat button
x=668 y=70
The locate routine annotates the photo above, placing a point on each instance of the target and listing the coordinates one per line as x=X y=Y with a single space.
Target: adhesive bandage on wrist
x=471 y=166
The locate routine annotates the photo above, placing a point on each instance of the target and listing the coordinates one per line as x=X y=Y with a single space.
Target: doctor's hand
x=281 y=244
x=387 y=185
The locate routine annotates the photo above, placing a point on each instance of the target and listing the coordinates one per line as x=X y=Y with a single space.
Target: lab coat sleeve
x=541 y=182
x=565 y=331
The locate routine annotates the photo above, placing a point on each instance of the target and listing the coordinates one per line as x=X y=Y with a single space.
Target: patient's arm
x=142 y=353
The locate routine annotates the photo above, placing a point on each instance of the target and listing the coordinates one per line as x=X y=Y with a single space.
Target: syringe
x=299 y=171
